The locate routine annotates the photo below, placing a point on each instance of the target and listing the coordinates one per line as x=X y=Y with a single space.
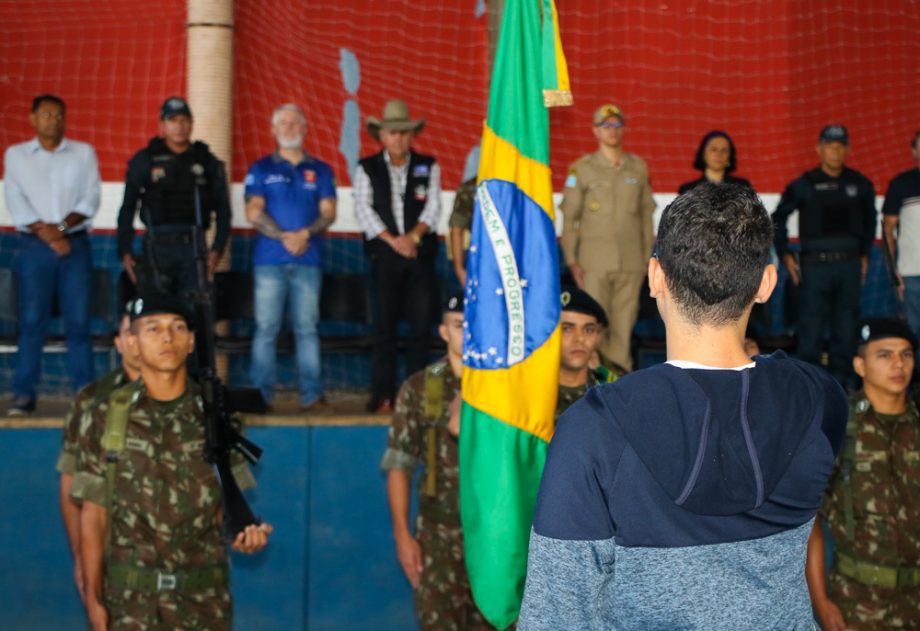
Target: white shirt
x=363 y=191
x=47 y=186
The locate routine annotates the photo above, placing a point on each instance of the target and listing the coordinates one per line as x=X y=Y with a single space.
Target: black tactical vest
x=169 y=191
x=414 y=198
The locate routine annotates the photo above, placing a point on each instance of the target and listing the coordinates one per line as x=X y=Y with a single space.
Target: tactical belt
x=172 y=238
x=877 y=575
x=152 y=580
x=828 y=257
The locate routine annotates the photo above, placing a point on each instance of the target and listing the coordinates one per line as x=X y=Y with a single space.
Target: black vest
x=169 y=193
x=414 y=198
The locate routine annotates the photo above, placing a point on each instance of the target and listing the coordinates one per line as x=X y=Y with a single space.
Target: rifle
x=220 y=401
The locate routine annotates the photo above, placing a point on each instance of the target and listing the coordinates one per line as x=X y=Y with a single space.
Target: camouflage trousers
x=871 y=608
x=130 y=610
x=443 y=600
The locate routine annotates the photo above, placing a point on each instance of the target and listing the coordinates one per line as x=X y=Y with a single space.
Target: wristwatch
x=416 y=239
x=62 y=227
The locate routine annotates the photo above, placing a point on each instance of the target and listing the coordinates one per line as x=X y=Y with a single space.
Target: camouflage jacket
x=462 y=214
x=80 y=413
x=411 y=431
x=166 y=501
x=569 y=395
x=884 y=479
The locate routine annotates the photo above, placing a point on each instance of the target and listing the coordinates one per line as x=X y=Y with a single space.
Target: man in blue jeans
x=290 y=200
x=52 y=191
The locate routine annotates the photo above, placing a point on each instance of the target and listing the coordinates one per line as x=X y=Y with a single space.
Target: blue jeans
x=912 y=302
x=40 y=273
x=300 y=286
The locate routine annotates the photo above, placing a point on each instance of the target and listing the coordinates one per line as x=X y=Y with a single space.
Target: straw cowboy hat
x=395 y=117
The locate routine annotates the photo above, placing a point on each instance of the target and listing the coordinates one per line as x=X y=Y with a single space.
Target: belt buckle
x=165 y=581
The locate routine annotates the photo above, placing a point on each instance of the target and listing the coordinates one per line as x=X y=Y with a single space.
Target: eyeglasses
x=611 y=124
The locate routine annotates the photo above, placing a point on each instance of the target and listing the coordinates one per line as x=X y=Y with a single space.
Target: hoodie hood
x=703 y=439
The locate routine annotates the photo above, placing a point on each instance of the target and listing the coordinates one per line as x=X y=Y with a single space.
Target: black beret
x=454 y=303
x=880 y=328
x=580 y=301
x=151 y=303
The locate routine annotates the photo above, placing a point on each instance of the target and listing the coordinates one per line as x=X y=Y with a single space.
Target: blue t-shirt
x=292 y=195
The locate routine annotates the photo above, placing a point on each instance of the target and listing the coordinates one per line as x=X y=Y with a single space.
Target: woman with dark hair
x=716 y=159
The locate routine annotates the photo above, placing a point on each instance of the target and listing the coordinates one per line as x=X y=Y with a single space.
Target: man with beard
x=290 y=199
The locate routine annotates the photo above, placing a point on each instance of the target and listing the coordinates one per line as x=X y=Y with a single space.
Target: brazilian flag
x=512 y=340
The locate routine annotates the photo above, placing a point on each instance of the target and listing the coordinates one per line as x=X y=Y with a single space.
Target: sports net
x=771 y=74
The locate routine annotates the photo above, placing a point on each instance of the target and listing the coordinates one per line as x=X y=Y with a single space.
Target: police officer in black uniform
x=836 y=228
x=161 y=182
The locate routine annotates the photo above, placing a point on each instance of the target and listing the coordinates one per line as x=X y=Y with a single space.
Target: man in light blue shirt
x=52 y=191
x=290 y=199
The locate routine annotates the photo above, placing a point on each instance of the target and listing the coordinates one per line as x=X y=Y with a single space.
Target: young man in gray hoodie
x=682 y=496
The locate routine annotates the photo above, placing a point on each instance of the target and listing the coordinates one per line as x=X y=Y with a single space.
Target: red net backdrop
x=771 y=74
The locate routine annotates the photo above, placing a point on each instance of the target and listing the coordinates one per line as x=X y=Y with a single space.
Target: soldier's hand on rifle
x=792 y=266
x=252 y=539
x=127 y=261
x=409 y=553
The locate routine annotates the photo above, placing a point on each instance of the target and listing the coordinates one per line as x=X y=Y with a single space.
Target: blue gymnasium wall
x=352 y=371
x=331 y=564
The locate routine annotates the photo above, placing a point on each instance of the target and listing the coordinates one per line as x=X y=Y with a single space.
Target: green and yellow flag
x=512 y=341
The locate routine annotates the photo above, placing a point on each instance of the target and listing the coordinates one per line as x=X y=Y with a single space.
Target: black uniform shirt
x=835 y=213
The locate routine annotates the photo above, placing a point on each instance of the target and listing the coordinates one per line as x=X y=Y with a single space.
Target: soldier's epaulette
x=438 y=368
x=859 y=404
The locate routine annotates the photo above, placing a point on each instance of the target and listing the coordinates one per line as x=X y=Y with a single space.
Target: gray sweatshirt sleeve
x=565 y=583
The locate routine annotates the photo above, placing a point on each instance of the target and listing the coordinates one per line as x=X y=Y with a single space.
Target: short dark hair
x=713 y=245
x=48 y=98
x=913 y=141
x=699 y=162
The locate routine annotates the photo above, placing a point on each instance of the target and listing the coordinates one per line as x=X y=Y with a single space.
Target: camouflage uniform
x=882 y=456
x=165 y=515
x=462 y=214
x=77 y=420
x=443 y=599
x=569 y=395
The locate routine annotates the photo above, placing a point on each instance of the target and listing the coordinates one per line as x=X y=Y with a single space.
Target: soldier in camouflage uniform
x=461 y=222
x=424 y=431
x=76 y=423
x=153 y=555
x=583 y=321
x=872 y=506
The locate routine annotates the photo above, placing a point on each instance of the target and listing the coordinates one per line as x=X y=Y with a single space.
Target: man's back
x=704 y=486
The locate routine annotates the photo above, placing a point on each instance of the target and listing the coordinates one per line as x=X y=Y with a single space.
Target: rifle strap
x=847 y=464
x=113 y=441
x=434 y=403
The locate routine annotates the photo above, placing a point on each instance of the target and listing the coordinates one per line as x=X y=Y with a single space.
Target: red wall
x=771 y=74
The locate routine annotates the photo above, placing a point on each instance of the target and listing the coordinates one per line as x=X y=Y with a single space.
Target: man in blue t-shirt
x=290 y=200
x=901 y=215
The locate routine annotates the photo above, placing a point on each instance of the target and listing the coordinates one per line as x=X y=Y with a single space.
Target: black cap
x=152 y=303
x=173 y=106
x=454 y=303
x=834 y=133
x=580 y=301
x=872 y=329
